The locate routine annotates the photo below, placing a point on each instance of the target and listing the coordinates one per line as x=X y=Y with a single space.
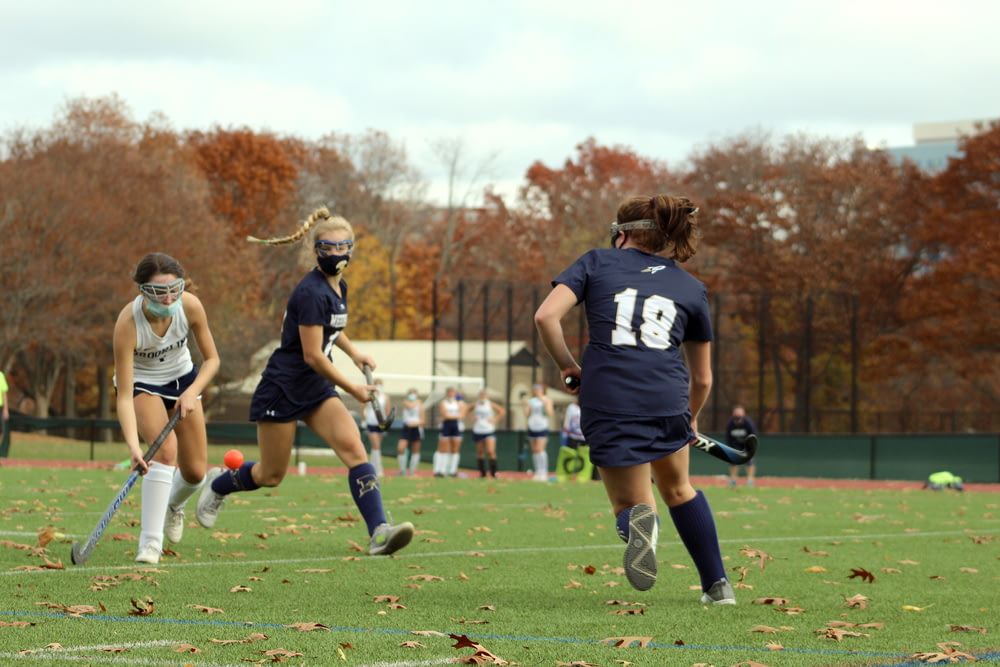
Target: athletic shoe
x=210 y=502
x=148 y=554
x=640 y=553
x=749 y=482
x=388 y=539
x=173 y=527
x=731 y=482
x=721 y=592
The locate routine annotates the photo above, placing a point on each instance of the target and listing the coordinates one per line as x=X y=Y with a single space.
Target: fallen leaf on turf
x=425 y=577
x=282 y=653
x=17 y=624
x=968 y=628
x=762 y=628
x=791 y=611
x=72 y=610
x=626 y=604
x=624 y=642
x=837 y=634
x=186 y=648
x=241 y=589
x=757 y=554
x=427 y=633
x=412 y=644
x=386 y=598
x=864 y=574
x=859 y=601
x=628 y=612
x=891 y=570
x=910 y=607
x=815 y=568
x=573 y=584
x=486 y=608
x=306 y=627
x=142 y=607
x=769 y=601
x=467 y=620
x=774 y=646
x=207 y=610
x=970 y=570
x=46 y=536
x=575 y=663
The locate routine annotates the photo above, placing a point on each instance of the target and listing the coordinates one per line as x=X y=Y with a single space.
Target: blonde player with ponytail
x=300 y=383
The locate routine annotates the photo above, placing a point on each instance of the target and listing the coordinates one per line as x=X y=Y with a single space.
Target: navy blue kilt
x=623 y=440
x=271 y=403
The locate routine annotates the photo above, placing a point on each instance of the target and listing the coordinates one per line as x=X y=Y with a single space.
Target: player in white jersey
x=374 y=429
x=486 y=415
x=412 y=433
x=154 y=374
x=451 y=412
x=538 y=409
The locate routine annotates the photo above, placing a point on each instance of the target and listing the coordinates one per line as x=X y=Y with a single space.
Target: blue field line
x=481 y=636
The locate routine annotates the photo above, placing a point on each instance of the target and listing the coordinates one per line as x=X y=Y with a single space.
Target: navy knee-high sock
x=367 y=495
x=696 y=526
x=239 y=479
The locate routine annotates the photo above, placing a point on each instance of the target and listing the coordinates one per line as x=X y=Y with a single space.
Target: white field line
x=561 y=549
x=93 y=655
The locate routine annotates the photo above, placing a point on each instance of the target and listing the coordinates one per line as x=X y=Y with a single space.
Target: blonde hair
x=317 y=224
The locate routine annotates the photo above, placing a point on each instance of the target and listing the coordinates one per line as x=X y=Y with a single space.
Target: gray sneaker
x=388 y=538
x=210 y=502
x=173 y=527
x=640 y=554
x=721 y=592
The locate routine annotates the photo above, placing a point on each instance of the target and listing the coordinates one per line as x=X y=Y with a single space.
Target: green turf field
x=500 y=572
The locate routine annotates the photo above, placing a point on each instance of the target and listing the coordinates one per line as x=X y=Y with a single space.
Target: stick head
x=76 y=556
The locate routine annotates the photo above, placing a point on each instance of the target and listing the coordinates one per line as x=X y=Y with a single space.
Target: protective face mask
x=331 y=265
x=158 y=309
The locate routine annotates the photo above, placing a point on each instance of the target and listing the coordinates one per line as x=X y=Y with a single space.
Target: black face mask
x=331 y=265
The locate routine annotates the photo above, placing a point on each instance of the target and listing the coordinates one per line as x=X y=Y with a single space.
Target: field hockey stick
x=79 y=554
x=384 y=422
x=725 y=452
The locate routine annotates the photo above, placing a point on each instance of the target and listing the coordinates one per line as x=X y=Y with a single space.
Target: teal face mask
x=158 y=309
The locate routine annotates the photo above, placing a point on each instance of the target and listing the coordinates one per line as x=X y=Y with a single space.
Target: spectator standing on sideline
x=574 y=454
x=539 y=411
x=738 y=428
x=412 y=434
x=646 y=375
x=300 y=383
x=154 y=375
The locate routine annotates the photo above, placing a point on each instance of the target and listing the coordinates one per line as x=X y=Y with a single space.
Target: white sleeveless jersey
x=537 y=419
x=450 y=408
x=411 y=414
x=158 y=360
x=370 y=409
x=483 y=412
x=571 y=424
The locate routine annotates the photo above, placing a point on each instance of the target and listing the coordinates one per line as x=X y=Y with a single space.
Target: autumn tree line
x=842 y=279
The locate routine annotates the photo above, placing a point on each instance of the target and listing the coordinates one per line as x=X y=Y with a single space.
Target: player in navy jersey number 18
x=644 y=377
x=300 y=383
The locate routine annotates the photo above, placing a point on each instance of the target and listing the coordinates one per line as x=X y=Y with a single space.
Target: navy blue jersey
x=640 y=308
x=737 y=431
x=313 y=302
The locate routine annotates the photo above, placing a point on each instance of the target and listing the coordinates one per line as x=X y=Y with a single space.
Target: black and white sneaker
x=721 y=592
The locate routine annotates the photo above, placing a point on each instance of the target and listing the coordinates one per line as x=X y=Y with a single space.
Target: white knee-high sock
x=181 y=489
x=376 y=461
x=401 y=462
x=414 y=463
x=438 y=466
x=453 y=463
x=155 y=494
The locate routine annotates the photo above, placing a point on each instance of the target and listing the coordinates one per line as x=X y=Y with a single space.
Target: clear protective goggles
x=327 y=248
x=162 y=292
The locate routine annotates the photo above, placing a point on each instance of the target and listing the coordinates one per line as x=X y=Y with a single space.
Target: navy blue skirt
x=270 y=403
x=624 y=440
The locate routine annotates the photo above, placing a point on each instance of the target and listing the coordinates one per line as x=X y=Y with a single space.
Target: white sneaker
x=721 y=592
x=148 y=554
x=210 y=502
x=173 y=527
x=388 y=538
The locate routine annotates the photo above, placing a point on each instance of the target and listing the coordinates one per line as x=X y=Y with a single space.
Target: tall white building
x=934 y=143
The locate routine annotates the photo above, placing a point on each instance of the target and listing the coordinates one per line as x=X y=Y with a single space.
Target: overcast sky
x=525 y=81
